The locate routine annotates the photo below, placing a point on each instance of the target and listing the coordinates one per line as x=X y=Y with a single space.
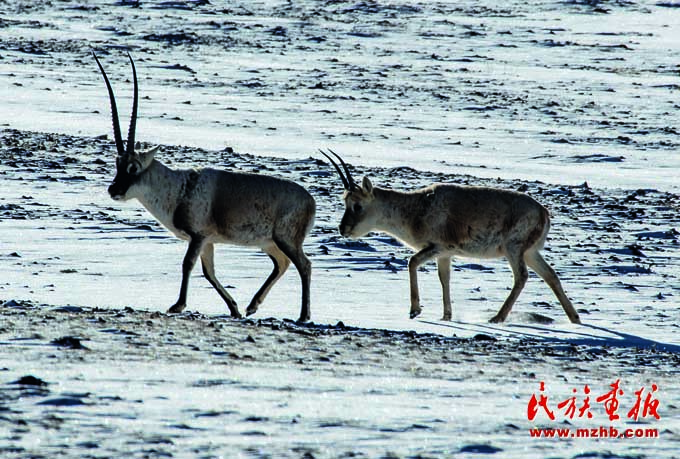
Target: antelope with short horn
x=445 y=220
x=208 y=206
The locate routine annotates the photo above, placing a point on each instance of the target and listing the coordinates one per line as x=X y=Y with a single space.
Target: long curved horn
x=133 y=118
x=114 y=111
x=352 y=184
x=345 y=183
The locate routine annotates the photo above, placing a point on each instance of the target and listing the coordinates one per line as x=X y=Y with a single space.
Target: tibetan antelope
x=208 y=206
x=445 y=220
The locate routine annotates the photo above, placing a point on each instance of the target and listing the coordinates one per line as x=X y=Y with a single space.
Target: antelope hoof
x=233 y=310
x=446 y=318
x=496 y=319
x=414 y=314
x=302 y=320
x=252 y=309
x=575 y=320
x=176 y=308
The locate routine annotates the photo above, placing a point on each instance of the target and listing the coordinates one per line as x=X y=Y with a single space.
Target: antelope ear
x=152 y=151
x=147 y=156
x=367 y=186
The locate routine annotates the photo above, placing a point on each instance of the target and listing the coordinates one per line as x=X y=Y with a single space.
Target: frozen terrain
x=565 y=91
x=123 y=383
x=574 y=103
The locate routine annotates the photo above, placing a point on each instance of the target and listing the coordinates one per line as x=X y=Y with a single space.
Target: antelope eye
x=357 y=208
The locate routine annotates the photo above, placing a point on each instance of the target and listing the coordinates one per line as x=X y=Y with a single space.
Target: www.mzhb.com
x=595 y=432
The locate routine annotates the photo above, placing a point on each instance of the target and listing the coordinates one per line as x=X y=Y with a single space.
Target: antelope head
x=361 y=208
x=130 y=164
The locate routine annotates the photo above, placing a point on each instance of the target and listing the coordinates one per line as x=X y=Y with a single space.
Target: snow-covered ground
x=560 y=91
x=542 y=97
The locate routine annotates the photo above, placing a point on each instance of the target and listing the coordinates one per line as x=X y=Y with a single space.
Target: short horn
x=345 y=183
x=133 y=117
x=352 y=185
x=114 y=111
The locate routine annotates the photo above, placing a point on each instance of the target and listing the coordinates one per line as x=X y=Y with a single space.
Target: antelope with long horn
x=445 y=220
x=209 y=206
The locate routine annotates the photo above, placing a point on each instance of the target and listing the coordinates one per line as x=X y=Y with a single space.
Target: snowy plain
x=543 y=97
